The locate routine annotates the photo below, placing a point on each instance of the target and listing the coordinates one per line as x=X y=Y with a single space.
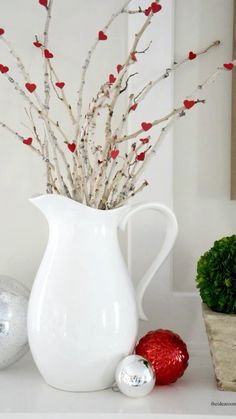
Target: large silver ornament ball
x=13 y=321
x=135 y=376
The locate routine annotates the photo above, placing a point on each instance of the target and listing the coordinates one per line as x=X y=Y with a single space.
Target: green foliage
x=216 y=276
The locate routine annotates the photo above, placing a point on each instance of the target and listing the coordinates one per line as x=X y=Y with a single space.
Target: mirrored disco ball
x=13 y=321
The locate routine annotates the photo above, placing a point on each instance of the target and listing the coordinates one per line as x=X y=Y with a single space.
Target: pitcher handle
x=171 y=234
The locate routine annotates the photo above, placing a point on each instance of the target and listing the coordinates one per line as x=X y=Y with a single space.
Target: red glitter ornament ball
x=166 y=352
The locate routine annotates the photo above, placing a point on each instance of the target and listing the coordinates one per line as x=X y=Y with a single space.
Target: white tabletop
x=24 y=395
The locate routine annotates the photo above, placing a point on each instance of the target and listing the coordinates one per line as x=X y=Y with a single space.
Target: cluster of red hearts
x=102 y=36
x=109 y=166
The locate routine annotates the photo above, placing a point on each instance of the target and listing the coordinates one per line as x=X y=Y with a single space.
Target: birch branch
x=20 y=65
x=149 y=86
x=182 y=112
x=63 y=98
x=47 y=101
x=153 y=124
x=21 y=138
x=85 y=69
x=133 y=193
x=117 y=88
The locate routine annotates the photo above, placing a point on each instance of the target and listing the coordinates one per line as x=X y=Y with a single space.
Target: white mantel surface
x=23 y=394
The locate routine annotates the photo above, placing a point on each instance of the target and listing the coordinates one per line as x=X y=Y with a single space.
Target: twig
x=63 y=98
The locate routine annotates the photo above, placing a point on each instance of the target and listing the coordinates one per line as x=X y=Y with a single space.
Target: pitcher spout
x=52 y=205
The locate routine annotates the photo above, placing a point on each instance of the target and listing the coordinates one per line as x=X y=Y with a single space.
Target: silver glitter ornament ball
x=135 y=376
x=13 y=321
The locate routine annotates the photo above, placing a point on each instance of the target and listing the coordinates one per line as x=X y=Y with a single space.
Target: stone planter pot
x=221 y=332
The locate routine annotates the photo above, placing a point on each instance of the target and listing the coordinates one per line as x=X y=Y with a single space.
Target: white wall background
x=201 y=182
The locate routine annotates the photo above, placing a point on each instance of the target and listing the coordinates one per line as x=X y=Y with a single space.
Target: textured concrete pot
x=221 y=332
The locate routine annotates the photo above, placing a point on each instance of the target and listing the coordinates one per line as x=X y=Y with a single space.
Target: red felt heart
x=192 y=55
x=112 y=79
x=133 y=107
x=148 y=11
x=48 y=54
x=28 y=141
x=3 y=68
x=119 y=68
x=37 y=44
x=102 y=36
x=2 y=31
x=146 y=126
x=189 y=103
x=141 y=156
x=133 y=56
x=144 y=140
x=43 y=3
x=30 y=87
x=114 y=153
x=156 y=7
x=229 y=66
x=60 y=84
x=71 y=147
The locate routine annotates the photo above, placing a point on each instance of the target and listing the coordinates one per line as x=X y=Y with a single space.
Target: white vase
x=83 y=310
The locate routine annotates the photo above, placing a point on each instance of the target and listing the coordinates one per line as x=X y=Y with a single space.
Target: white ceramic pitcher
x=83 y=310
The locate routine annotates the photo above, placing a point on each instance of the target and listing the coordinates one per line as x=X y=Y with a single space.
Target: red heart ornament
x=37 y=44
x=192 y=55
x=146 y=126
x=60 y=84
x=3 y=68
x=30 y=87
x=48 y=54
x=141 y=156
x=102 y=36
x=119 y=68
x=112 y=79
x=43 y=3
x=133 y=56
x=156 y=7
x=144 y=140
x=229 y=66
x=133 y=107
x=72 y=147
x=28 y=141
x=148 y=11
x=189 y=103
x=114 y=153
x=2 y=31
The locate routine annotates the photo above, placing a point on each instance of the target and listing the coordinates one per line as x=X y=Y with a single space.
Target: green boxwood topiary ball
x=216 y=276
